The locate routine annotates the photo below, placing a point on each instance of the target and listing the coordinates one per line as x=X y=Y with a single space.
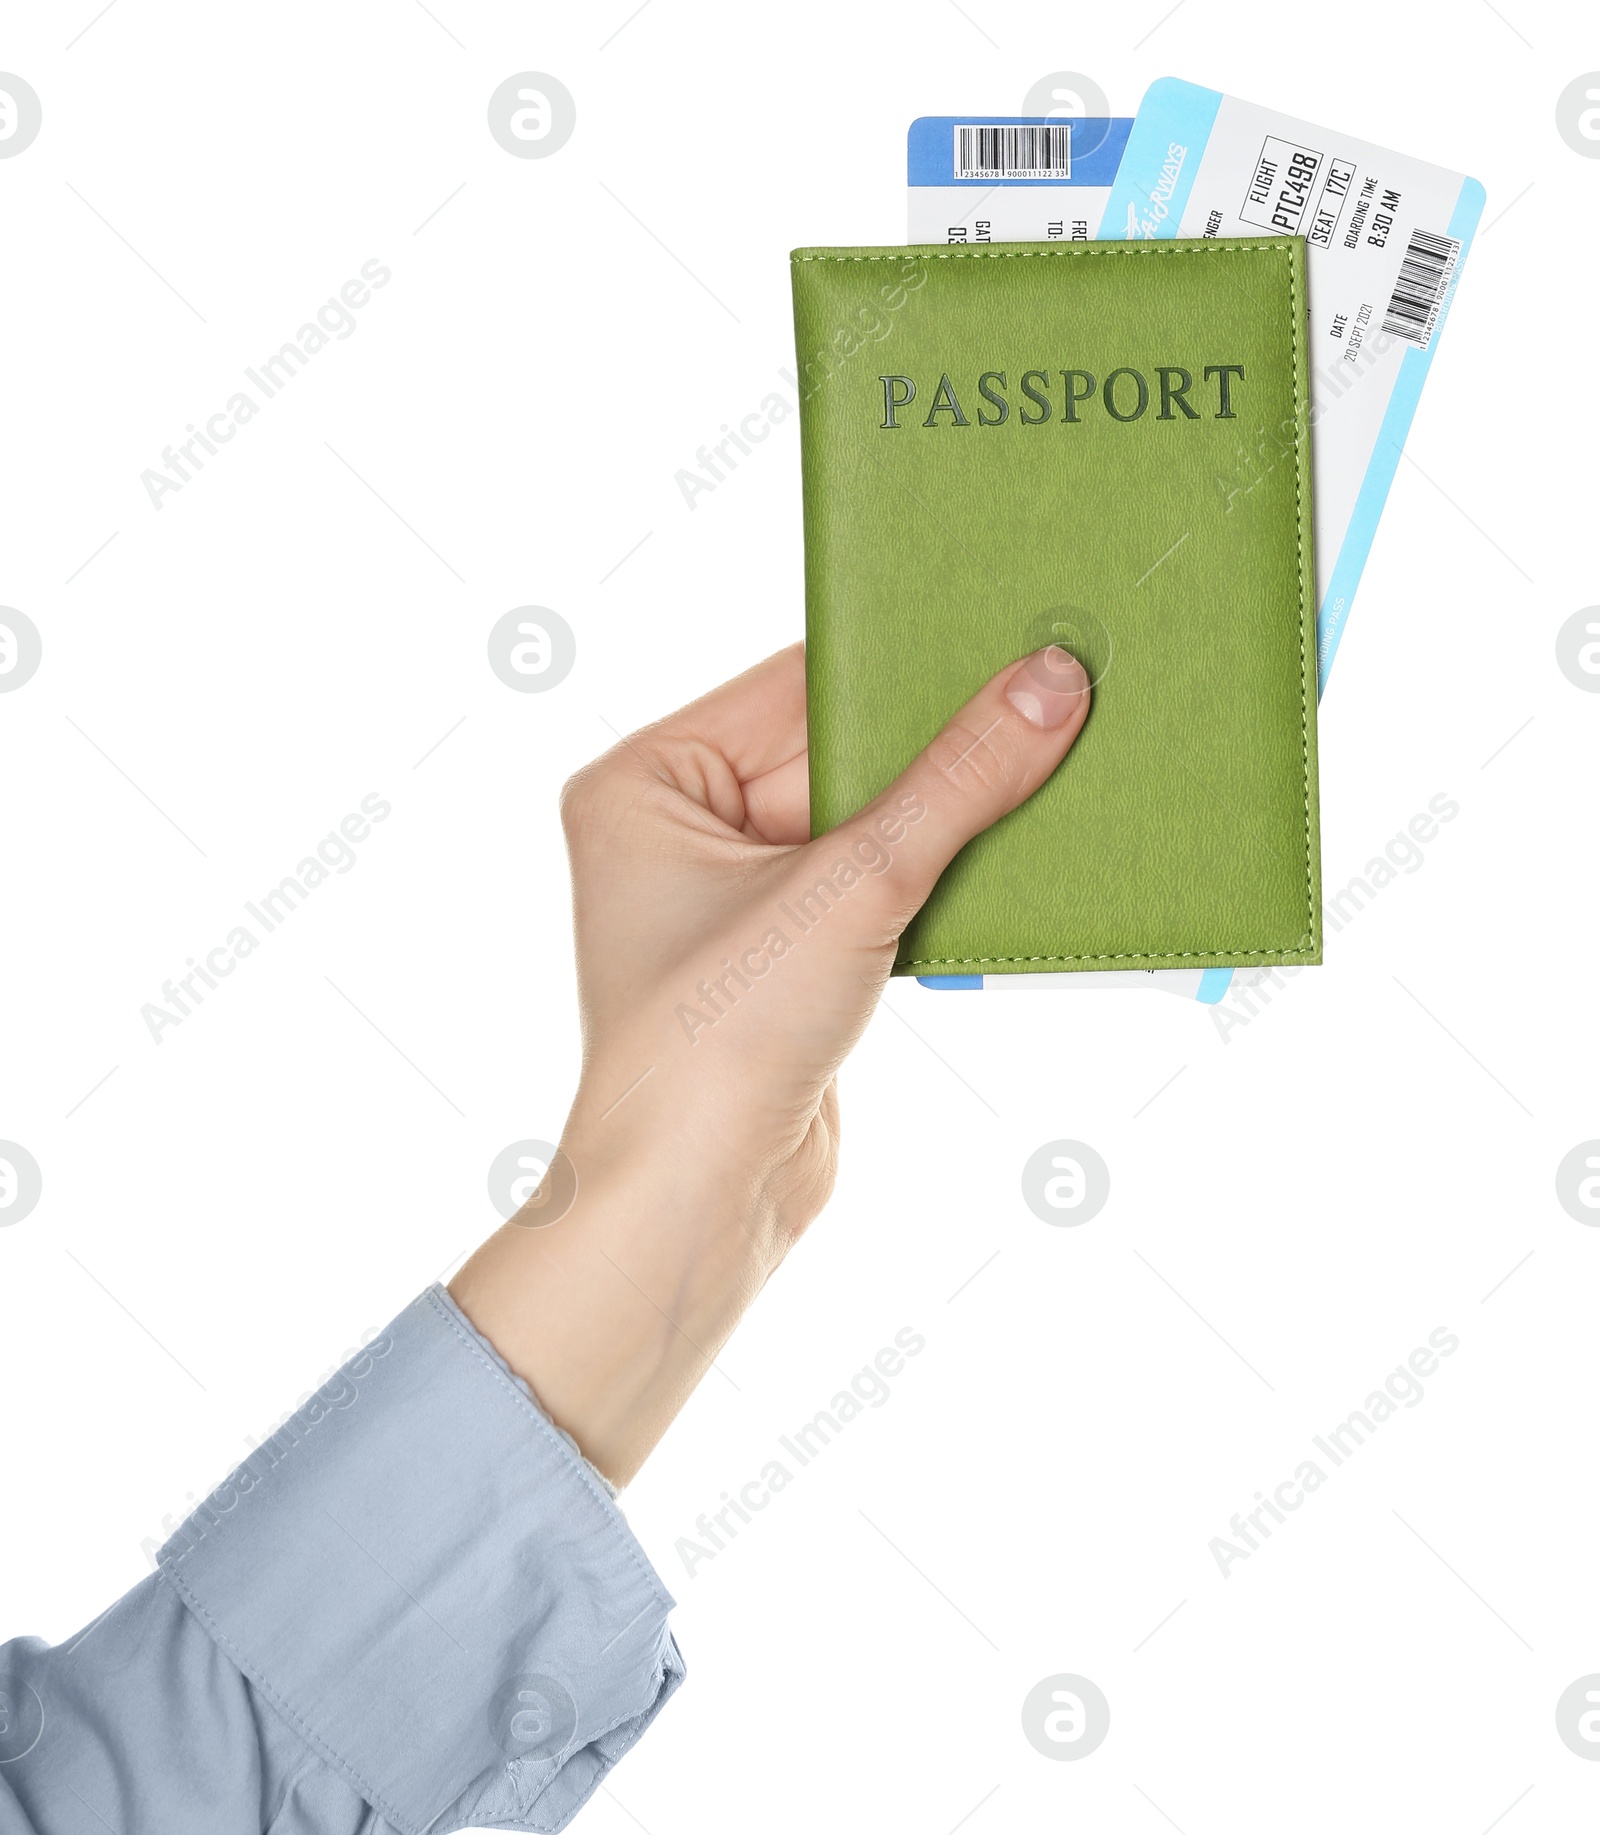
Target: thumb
x=990 y=757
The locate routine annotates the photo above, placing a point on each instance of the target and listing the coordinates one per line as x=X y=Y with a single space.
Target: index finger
x=757 y=721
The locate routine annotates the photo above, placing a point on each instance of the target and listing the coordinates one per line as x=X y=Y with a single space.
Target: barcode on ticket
x=1040 y=151
x=1424 y=275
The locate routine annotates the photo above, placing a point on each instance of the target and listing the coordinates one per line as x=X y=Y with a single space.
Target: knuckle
x=582 y=796
x=574 y=796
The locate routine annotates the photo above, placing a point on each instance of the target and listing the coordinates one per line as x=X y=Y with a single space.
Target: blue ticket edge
x=1097 y=146
x=1214 y=983
x=1174 y=111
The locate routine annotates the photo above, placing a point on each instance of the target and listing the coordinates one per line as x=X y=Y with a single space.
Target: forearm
x=613 y=1310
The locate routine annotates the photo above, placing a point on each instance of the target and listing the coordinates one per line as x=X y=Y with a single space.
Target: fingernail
x=1049 y=688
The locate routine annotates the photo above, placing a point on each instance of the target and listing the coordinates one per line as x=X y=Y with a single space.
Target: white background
x=1353 y=1168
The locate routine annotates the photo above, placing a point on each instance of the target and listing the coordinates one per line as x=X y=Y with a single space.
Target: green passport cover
x=1104 y=445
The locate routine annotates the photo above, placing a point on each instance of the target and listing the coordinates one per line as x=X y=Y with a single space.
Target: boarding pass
x=1010 y=178
x=1386 y=236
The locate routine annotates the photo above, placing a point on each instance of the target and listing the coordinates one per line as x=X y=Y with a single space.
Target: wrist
x=710 y=1168
x=613 y=1307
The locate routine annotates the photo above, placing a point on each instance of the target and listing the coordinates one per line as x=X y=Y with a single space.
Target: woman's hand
x=727 y=963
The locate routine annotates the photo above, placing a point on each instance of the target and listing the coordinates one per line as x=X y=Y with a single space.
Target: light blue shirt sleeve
x=415 y=1607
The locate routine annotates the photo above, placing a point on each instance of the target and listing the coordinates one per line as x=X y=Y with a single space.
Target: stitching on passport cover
x=1074 y=251
x=1132 y=955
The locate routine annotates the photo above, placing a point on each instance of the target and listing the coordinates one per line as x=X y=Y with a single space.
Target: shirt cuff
x=428 y=1583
